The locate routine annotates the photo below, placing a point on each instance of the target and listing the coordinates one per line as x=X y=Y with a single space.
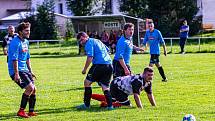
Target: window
x=60 y=8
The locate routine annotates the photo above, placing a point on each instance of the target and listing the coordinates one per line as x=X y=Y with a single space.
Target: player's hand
x=83 y=71
x=5 y=52
x=17 y=78
x=33 y=75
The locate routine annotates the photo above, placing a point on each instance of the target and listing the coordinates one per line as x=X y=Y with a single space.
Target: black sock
x=161 y=71
x=87 y=96
x=108 y=97
x=32 y=102
x=24 y=101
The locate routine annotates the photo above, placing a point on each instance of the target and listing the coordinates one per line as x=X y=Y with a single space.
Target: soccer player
x=7 y=39
x=100 y=71
x=19 y=67
x=123 y=53
x=122 y=87
x=153 y=38
x=184 y=29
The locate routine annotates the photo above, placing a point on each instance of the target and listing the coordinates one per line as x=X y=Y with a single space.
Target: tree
x=46 y=24
x=80 y=7
x=85 y=7
x=134 y=8
x=165 y=13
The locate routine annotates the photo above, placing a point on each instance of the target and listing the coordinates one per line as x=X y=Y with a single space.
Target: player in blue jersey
x=122 y=87
x=100 y=71
x=20 y=71
x=184 y=29
x=153 y=38
x=124 y=48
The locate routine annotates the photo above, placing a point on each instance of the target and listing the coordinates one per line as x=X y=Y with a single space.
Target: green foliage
x=46 y=27
x=70 y=32
x=167 y=14
x=80 y=7
x=43 y=23
x=2 y=35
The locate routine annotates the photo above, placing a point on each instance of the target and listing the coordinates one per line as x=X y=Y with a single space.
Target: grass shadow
x=75 y=89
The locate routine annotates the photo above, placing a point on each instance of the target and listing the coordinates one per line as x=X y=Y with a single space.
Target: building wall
x=208 y=14
x=8 y=7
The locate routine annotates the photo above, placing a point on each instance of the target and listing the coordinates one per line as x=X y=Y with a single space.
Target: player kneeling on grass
x=100 y=71
x=20 y=71
x=122 y=87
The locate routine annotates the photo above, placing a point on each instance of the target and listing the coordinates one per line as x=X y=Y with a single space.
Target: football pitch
x=190 y=90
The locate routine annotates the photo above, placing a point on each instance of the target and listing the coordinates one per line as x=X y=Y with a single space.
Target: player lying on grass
x=122 y=87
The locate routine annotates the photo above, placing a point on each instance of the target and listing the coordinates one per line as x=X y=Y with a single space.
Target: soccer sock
x=108 y=97
x=32 y=102
x=98 y=97
x=87 y=96
x=161 y=71
x=24 y=101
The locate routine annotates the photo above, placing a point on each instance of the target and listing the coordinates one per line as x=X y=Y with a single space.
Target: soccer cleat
x=21 y=113
x=164 y=80
x=32 y=114
x=110 y=108
x=82 y=107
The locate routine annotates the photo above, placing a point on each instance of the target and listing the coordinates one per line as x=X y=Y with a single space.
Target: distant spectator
x=105 y=38
x=112 y=41
x=7 y=39
x=184 y=29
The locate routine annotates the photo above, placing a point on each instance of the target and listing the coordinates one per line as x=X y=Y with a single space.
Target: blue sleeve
x=89 y=49
x=121 y=48
x=28 y=55
x=160 y=37
x=14 y=48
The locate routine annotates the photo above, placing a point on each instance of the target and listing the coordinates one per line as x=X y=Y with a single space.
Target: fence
x=199 y=39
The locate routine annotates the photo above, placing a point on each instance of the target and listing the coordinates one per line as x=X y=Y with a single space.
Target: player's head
x=11 y=29
x=148 y=73
x=151 y=26
x=23 y=29
x=82 y=37
x=184 y=22
x=128 y=30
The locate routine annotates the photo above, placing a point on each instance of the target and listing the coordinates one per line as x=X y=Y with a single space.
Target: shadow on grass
x=93 y=108
x=55 y=56
x=75 y=89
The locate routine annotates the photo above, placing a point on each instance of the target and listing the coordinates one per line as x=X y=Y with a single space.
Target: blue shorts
x=154 y=59
x=100 y=73
x=26 y=79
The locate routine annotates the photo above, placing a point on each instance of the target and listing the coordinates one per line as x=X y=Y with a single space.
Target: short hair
x=10 y=26
x=23 y=26
x=128 y=25
x=148 y=69
x=81 y=34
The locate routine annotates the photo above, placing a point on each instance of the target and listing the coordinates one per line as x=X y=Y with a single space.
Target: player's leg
x=160 y=69
x=27 y=84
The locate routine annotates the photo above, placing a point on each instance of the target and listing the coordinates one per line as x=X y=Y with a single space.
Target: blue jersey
x=18 y=50
x=154 y=39
x=96 y=49
x=124 y=49
x=184 y=34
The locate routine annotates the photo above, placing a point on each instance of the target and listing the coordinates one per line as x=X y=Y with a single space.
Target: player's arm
x=151 y=99
x=4 y=46
x=164 y=49
x=16 y=71
x=87 y=64
x=138 y=48
x=122 y=63
x=28 y=62
x=137 y=100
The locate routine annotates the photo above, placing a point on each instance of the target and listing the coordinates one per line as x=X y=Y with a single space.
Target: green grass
x=190 y=89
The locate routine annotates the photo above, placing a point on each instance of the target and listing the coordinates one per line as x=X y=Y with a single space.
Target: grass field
x=190 y=89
